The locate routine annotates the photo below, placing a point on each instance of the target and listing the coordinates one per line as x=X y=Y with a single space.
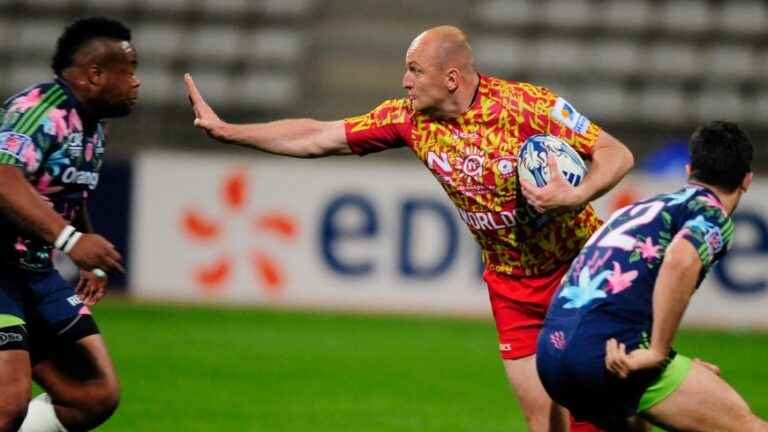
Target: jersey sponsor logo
x=440 y=164
x=488 y=221
x=74 y=300
x=215 y=276
x=10 y=337
x=473 y=165
x=465 y=135
x=505 y=347
x=505 y=166
x=14 y=144
x=557 y=339
x=74 y=144
x=73 y=176
x=566 y=114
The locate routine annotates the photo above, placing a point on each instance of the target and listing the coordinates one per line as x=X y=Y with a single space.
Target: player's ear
x=95 y=75
x=688 y=170
x=747 y=182
x=452 y=79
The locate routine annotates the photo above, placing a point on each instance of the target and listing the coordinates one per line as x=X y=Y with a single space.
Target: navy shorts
x=571 y=365
x=39 y=311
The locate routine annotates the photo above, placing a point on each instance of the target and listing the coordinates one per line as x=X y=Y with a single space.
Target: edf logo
x=335 y=233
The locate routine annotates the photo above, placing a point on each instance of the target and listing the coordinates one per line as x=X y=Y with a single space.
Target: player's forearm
x=611 y=161
x=674 y=287
x=305 y=138
x=23 y=206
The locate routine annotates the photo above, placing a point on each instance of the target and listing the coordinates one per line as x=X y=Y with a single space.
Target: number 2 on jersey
x=640 y=215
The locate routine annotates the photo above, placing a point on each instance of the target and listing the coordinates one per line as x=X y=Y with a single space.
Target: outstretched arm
x=305 y=138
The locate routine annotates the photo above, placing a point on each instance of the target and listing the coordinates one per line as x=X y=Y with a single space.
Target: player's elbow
x=326 y=139
x=629 y=158
x=681 y=257
x=623 y=155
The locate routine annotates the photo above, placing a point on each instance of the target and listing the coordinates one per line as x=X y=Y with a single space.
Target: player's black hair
x=81 y=32
x=721 y=155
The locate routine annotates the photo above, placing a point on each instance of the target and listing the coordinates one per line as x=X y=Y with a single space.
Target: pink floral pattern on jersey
x=75 y=124
x=712 y=202
x=60 y=128
x=557 y=339
x=30 y=158
x=45 y=188
x=24 y=103
x=618 y=281
x=19 y=245
x=88 y=151
x=648 y=251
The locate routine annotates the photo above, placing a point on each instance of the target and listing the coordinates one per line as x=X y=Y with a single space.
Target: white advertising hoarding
x=343 y=232
x=368 y=234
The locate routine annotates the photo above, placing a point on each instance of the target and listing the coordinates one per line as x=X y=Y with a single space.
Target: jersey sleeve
x=556 y=116
x=383 y=128
x=31 y=124
x=708 y=228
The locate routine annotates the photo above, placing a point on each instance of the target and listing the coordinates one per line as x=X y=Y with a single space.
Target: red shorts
x=519 y=305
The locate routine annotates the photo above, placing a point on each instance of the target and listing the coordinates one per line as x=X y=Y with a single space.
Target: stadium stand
x=643 y=68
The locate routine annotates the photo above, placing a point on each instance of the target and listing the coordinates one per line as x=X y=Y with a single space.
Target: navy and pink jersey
x=45 y=134
x=608 y=291
x=474 y=157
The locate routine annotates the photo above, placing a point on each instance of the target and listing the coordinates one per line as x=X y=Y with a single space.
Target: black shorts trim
x=14 y=338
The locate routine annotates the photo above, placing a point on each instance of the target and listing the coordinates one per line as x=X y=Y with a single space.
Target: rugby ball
x=532 y=160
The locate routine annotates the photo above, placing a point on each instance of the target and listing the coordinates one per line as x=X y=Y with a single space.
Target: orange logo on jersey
x=212 y=277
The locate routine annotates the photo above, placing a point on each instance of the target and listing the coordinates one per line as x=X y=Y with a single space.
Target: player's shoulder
x=695 y=200
x=393 y=111
x=504 y=86
x=46 y=94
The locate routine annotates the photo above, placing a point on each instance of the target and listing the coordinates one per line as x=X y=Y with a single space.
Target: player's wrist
x=67 y=239
x=225 y=131
x=580 y=196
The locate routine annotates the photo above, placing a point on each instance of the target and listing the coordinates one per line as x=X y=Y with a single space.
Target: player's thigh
x=524 y=379
x=15 y=381
x=539 y=410
x=79 y=372
x=703 y=402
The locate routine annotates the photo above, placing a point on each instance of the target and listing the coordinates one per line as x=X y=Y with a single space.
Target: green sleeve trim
x=29 y=121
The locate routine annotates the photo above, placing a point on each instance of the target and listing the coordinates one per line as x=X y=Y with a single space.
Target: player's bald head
x=445 y=47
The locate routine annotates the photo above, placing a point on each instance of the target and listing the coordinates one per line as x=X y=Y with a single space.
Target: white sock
x=41 y=416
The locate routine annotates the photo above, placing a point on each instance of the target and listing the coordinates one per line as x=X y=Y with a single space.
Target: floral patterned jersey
x=44 y=134
x=613 y=278
x=474 y=157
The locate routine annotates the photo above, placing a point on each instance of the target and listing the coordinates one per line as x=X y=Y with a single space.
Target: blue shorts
x=571 y=364
x=40 y=310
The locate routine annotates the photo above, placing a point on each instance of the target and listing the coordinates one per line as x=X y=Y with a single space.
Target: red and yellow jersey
x=474 y=157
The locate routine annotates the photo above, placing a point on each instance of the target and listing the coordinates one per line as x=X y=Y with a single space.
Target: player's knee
x=103 y=401
x=109 y=398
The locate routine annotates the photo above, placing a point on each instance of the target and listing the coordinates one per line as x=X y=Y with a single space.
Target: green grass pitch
x=206 y=369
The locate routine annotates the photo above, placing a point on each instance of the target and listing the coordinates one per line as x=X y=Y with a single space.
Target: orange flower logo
x=213 y=277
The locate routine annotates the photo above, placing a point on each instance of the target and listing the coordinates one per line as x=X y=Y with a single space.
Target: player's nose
x=407 y=81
